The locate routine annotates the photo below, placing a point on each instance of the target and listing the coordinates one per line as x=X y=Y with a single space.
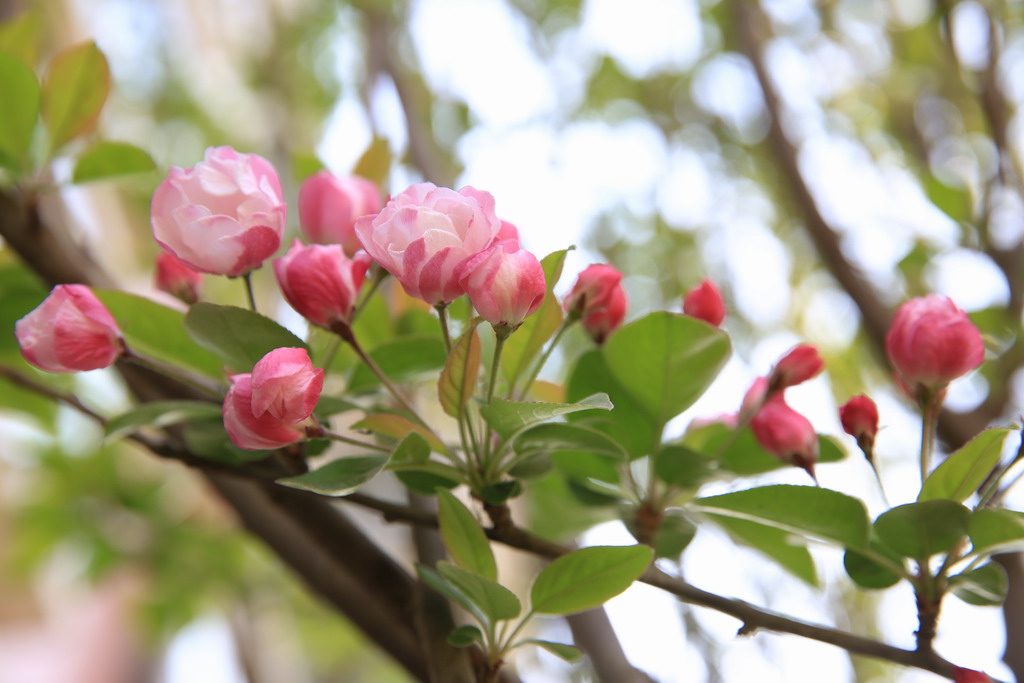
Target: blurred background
x=820 y=162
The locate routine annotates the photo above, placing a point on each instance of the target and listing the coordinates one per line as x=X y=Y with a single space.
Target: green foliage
x=963 y=472
x=586 y=578
x=879 y=570
x=75 y=87
x=996 y=531
x=240 y=337
x=458 y=379
x=778 y=545
x=569 y=653
x=338 y=478
x=986 y=585
x=509 y=418
x=20 y=92
x=920 y=530
x=159 y=414
x=465 y=540
x=111 y=159
x=403 y=359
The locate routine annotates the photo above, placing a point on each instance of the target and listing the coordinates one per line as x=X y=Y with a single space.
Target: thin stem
x=325 y=434
x=569 y=320
x=26 y=382
x=929 y=417
x=442 y=316
x=988 y=496
x=247 y=278
x=379 y=276
x=499 y=344
x=881 y=486
x=330 y=353
x=201 y=384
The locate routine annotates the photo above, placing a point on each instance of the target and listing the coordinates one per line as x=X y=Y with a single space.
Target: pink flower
x=859 y=417
x=705 y=302
x=599 y=300
x=329 y=206
x=507 y=231
x=177 y=279
x=786 y=434
x=69 y=331
x=320 y=282
x=271 y=406
x=962 y=675
x=932 y=342
x=799 y=365
x=423 y=234
x=505 y=284
x=224 y=216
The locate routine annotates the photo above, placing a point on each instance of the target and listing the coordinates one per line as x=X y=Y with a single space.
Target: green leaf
x=332 y=405
x=19 y=37
x=450 y=591
x=627 y=423
x=426 y=482
x=412 y=465
x=412 y=450
x=778 y=545
x=338 y=478
x=987 y=585
x=963 y=472
x=578 y=451
x=464 y=636
x=375 y=163
x=111 y=159
x=397 y=427
x=742 y=454
x=20 y=93
x=681 y=466
x=674 y=534
x=525 y=345
x=493 y=599
x=158 y=332
x=920 y=530
x=867 y=572
x=501 y=492
x=458 y=379
x=806 y=510
x=996 y=531
x=569 y=653
x=586 y=578
x=666 y=361
x=401 y=359
x=239 y=336
x=74 y=90
x=160 y=414
x=508 y=418
x=466 y=542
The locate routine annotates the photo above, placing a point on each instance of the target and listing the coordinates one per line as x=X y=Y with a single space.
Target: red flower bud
x=69 y=332
x=962 y=675
x=329 y=206
x=320 y=282
x=932 y=342
x=177 y=279
x=786 y=434
x=705 y=302
x=859 y=416
x=599 y=300
x=799 y=365
x=505 y=284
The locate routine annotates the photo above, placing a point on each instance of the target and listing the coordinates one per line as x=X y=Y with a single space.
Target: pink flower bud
x=286 y=385
x=505 y=284
x=799 y=365
x=754 y=398
x=423 y=234
x=329 y=206
x=599 y=300
x=932 y=342
x=69 y=331
x=786 y=434
x=223 y=216
x=859 y=416
x=320 y=282
x=962 y=675
x=268 y=407
x=705 y=302
x=177 y=279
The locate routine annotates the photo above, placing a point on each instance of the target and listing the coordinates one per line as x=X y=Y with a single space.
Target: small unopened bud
x=859 y=416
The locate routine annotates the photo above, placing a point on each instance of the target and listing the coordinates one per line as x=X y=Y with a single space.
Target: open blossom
x=599 y=300
x=800 y=364
x=705 y=302
x=271 y=406
x=320 y=282
x=786 y=434
x=505 y=284
x=932 y=342
x=423 y=235
x=70 y=331
x=177 y=279
x=859 y=417
x=329 y=206
x=224 y=216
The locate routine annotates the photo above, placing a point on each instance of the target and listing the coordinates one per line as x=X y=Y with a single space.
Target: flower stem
x=330 y=353
x=930 y=405
x=442 y=315
x=355 y=442
x=375 y=284
x=499 y=344
x=199 y=383
x=248 y=291
x=543 y=359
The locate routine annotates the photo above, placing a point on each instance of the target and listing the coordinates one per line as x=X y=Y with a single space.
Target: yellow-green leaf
x=110 y=159
x=19 y=93
x=76 y=86
x=458 y=379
